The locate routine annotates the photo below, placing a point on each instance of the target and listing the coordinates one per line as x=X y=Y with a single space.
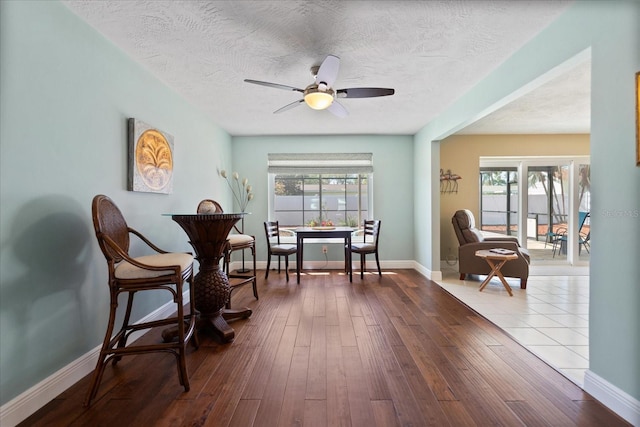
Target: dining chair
x=159 y=271
x=551 y=236
x=560 y=242
x=369 y=244
x=237 y=241
x=276 y=248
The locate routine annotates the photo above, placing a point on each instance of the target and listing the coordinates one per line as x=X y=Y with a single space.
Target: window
x=312 y=189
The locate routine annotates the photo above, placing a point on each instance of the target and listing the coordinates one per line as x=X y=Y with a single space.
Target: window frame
x=369 y=195
x=319 y=166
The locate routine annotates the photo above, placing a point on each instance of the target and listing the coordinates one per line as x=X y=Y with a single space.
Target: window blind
x=320 y=163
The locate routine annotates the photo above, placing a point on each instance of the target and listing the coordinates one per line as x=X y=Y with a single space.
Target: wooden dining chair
x=275 y=248
x=369 y=244
x=160 y=271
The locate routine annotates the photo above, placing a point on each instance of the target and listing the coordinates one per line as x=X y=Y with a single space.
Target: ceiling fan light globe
x=318 y=100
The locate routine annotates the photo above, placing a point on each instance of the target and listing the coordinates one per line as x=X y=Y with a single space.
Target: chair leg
x=266 y=274
x=180 y=355
x=255 y=287
x=523 y=283
x=125 y=324
x=228 y=261
x=96 y=379
x=378 y=263
x=286 y=266
x=227 y=304
x=193 y=315
x=102 y=358
x=362 y=260
x=255 y=277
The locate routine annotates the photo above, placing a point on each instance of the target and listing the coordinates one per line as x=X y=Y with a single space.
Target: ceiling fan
x=320 y=94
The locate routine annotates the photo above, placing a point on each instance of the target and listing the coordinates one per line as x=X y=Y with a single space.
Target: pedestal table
x=208 y=236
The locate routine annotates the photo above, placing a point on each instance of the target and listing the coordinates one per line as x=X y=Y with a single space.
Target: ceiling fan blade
x=289 y=106
x=338 y=109
x=364 y=92
x=275 y=85
x=328 y=71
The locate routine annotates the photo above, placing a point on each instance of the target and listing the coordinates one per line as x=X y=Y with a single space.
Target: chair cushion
x=471 y=220
x=240 y=239
x=283 y=249
x=363 y=247
x=126 y=270
x=466 y=230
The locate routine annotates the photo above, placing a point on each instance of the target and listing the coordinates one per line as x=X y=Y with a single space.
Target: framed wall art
x=150 y=158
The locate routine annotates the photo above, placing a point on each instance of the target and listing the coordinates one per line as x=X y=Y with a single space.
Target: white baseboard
x=429 y=274
x=22 y=406
x=612 y=397
x=328 y=265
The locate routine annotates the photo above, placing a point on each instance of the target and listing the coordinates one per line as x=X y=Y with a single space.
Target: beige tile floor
x=550 y=317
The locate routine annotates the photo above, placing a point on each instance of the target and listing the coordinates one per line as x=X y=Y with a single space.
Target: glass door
x=554 y=208
x=584 y=205
x=499 y=200
x=548 y=209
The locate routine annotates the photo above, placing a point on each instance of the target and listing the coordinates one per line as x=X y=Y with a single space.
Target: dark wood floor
x=390 y=351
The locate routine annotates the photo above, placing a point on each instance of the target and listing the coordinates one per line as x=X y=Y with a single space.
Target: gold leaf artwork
x=150 y=158
x=154 y=159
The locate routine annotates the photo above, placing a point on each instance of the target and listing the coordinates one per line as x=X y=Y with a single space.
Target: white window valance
x=320 y=163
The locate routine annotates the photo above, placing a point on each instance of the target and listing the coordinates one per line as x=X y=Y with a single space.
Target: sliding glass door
x=548 y=209
x=554 y=206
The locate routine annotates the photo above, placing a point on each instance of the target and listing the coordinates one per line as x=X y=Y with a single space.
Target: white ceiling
x=560 y=105
x=431 y=52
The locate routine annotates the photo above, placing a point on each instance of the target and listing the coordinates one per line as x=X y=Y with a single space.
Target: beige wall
x=461 y=154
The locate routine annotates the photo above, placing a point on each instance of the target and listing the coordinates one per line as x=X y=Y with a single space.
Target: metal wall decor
x=150 y=159
x=448 y=182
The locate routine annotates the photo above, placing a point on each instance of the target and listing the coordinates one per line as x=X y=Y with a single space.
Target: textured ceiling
x=560 y=105
x=431 y=52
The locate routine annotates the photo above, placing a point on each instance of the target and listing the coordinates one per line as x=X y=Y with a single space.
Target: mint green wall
x=614 y=313
x=65 y=96
x=611 y=29
x=393 y=183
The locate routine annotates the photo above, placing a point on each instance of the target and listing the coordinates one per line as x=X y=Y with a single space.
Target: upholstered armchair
x=471 y=240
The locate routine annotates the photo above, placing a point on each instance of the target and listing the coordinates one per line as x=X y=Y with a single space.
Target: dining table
x=324 y=233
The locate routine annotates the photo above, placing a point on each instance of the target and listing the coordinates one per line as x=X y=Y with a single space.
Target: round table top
x=207 y=216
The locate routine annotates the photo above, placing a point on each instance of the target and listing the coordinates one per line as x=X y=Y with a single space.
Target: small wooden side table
x=496 y=261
